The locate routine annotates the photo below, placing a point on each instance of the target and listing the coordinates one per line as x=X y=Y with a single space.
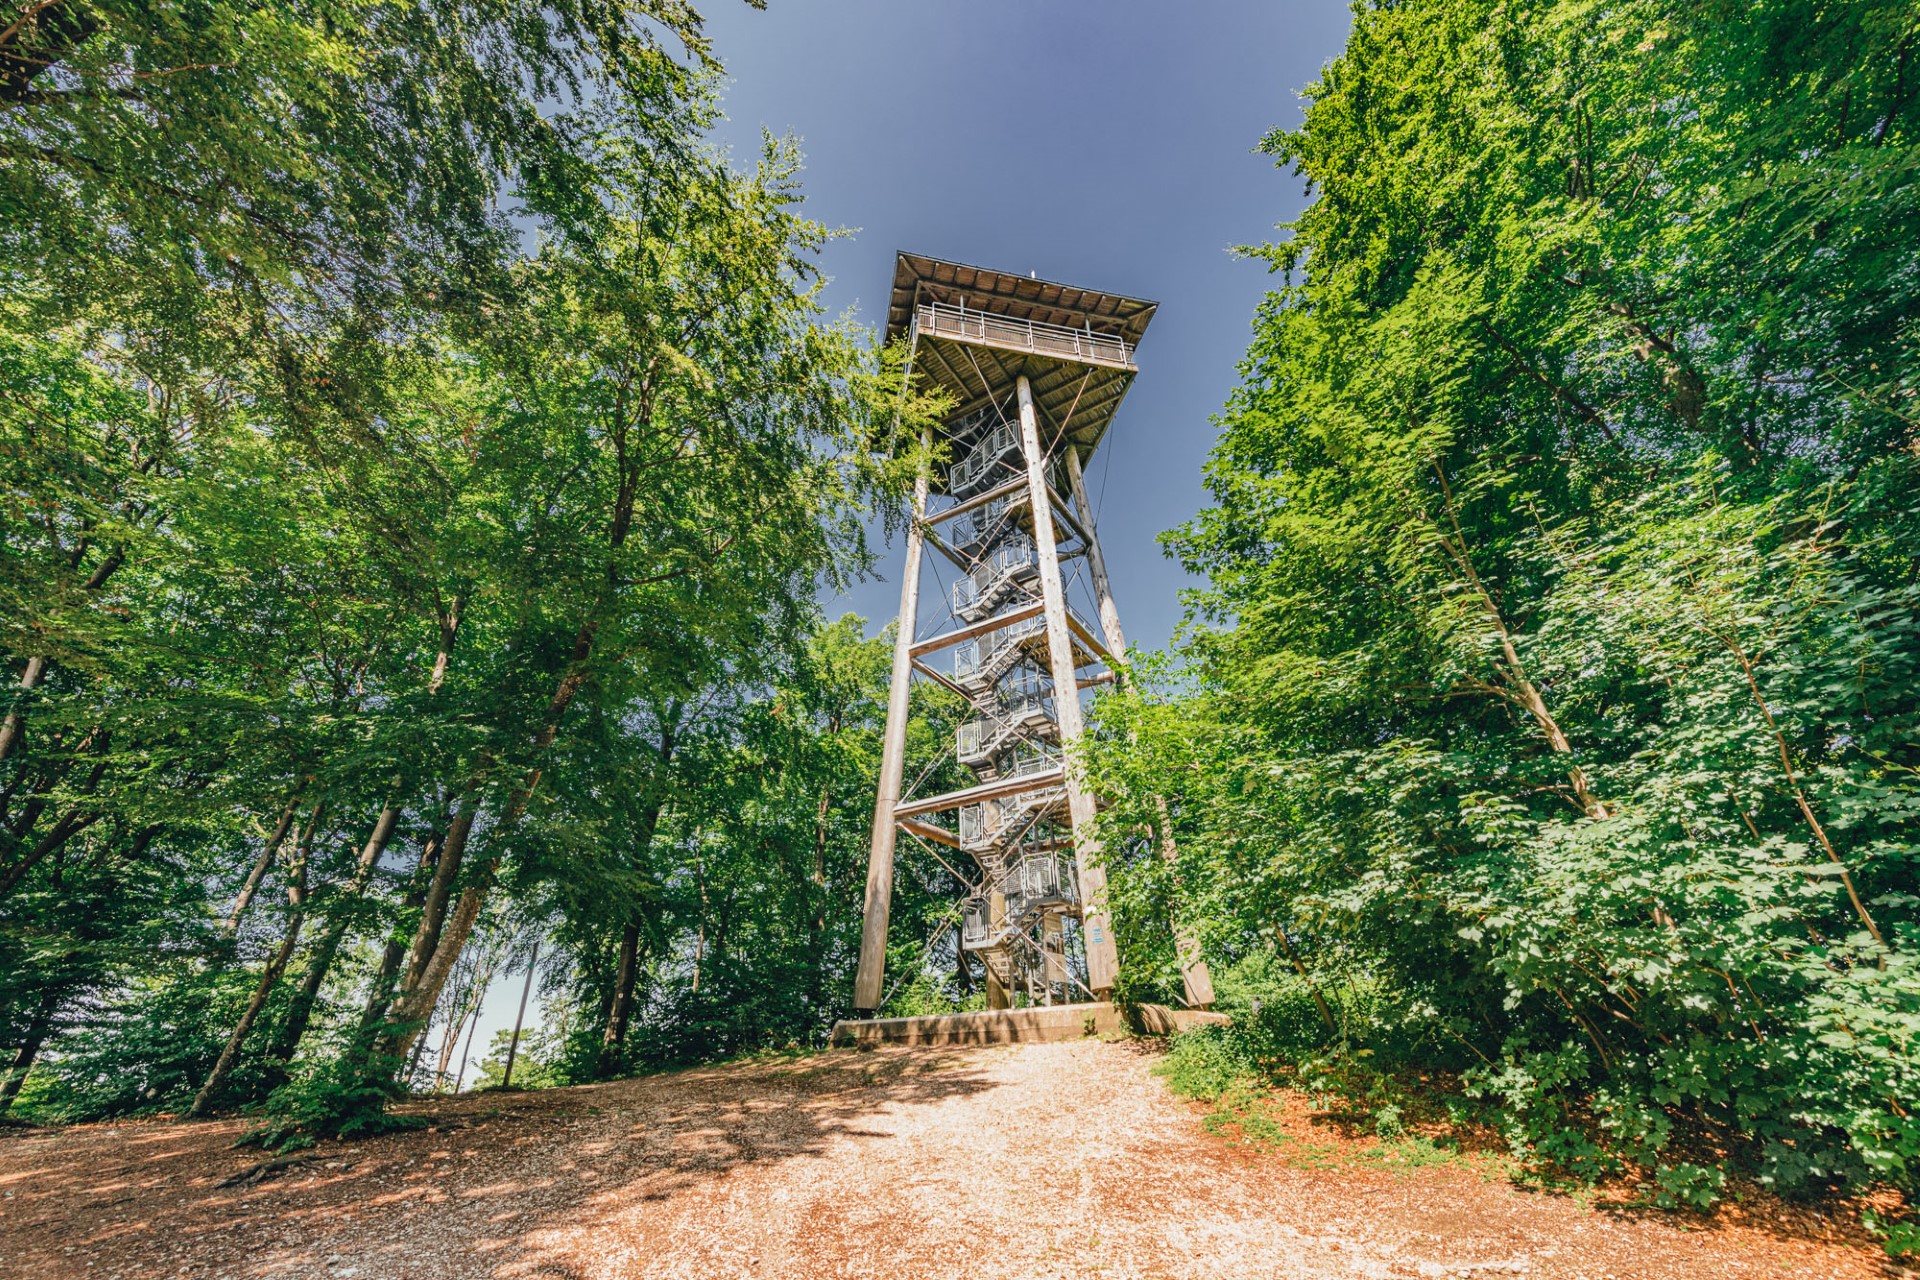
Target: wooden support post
x=893 y=760
x=1103 y=960
x=1195 y=975
x=998 y=996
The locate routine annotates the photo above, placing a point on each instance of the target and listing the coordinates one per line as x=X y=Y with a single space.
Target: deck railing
x=964 y=324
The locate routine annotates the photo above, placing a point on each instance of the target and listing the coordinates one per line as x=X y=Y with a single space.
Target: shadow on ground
x=472 y=1196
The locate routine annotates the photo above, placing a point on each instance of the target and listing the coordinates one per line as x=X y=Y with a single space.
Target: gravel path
x=1027 y=1161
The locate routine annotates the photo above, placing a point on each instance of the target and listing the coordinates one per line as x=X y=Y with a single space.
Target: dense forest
x=1551 y=711
x=425 y=453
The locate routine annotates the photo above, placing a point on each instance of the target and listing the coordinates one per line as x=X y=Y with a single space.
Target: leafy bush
x=1204 y=1063
x=331 y=1103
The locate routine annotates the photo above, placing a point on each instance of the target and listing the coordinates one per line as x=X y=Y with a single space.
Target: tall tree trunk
x=14 y=727
x=614 y=1038
x=433 y=909
x=267 y=853
x=449 y=1037
x=1518 y=688
x=700 y=934
x=423 y=990
x=513 y=1045
x=430 y=899
x=29 y=1049
x=433 y=961
x=270 y=976
x=380 y=990
x=467 y=1014
x=460 y=1076
x=300 y=1011
x=71 y=823
x=419 y=1052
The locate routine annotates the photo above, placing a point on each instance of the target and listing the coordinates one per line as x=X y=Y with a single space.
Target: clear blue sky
x=1107 y=143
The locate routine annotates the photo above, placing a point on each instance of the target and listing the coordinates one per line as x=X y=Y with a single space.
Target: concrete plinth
x=1039 y=1025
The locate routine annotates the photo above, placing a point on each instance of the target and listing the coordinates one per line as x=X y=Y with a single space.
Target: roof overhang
x=1078 y=382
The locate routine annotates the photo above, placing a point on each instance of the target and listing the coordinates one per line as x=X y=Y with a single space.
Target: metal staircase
x=1027 y=889
x=971 y=528
x=991 y=458
x=1027 y=717
x=994 y=823
x=1005 y=569
x=979 y=664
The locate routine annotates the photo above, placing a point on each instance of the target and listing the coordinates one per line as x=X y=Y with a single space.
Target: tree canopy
x=1549 y=711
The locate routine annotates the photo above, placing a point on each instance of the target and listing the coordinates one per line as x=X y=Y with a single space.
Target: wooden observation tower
x=1038 y=371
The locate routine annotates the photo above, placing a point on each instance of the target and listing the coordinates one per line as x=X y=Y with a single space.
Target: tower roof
x=977 y=330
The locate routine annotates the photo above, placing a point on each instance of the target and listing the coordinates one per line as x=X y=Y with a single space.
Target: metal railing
x=999 y=822
x=974 y=527
x=983 y=660
x=1029 y=885
x=1027 y=716
x=979 y=465
x=963 y=324
x=979 y=591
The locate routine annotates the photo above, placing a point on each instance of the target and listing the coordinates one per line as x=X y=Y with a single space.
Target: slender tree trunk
x=1520 y=689
x=380 y=991
x=70 y=823
x=614 y=1038
x=429 y=899
x=468 y=1015
x=270 y=976
x=513 y=1045
x=14 y=727
x=433 y=909
x=435 y=962
x=460 y=1076
x=300 y=1011
x=29 y=1049
x=1313 y=988
x=69 y=826
x=1799 y=794
x=419 y=1052
x=428 y=974
x=700 y=935
x=260 y=865
x=456 y=1019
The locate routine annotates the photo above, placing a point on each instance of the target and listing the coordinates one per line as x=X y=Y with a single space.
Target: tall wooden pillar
x=1103 y=961
x=1194 y=974
x=893 y=760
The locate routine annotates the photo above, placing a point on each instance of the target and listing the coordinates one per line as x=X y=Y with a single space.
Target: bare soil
x=1065 y=1160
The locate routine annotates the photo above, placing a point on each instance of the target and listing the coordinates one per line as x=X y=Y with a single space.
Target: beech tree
x=1549 y=710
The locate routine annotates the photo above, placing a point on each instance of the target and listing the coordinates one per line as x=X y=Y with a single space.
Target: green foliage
x=1204 y=1063
x=421 y=456
x=534 y=1064
x=1551 y=700
x=325 y=1105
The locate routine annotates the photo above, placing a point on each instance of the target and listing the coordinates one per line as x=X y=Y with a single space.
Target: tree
x=1547 y=713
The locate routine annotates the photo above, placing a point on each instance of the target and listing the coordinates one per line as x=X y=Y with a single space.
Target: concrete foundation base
x=1040 y=1025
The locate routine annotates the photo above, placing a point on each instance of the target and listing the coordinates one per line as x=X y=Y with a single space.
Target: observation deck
x=975 y=331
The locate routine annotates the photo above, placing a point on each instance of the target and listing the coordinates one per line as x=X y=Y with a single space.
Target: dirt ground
x=1027 y=1161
